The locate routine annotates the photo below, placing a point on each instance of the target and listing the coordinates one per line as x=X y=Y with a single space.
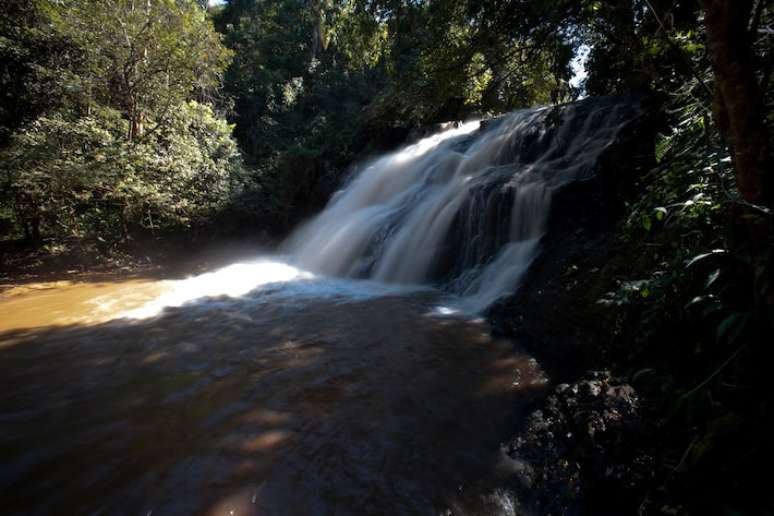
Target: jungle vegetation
x=121 y=119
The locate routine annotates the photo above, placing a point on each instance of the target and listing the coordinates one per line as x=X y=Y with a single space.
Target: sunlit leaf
x=698 y=259
x=713 y=277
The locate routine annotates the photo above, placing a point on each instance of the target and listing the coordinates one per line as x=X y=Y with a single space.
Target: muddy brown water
x=277 y=401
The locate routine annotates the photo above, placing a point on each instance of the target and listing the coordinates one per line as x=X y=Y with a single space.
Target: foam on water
x=266 y=280
x=232 y=281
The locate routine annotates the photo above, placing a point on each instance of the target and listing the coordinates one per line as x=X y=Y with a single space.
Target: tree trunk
x=318 y=40
x=738 y=102
x=35 y=224
x=739 y=109
x=138 y=125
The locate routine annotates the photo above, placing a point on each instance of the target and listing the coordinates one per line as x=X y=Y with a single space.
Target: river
x=278 y=392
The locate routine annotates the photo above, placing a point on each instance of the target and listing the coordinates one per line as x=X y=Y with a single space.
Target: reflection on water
x=308 y=396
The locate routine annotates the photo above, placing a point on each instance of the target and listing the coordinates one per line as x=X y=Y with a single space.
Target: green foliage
x=143 y=58
x=686 y=191
x=298 y=110
x=316 y=84
x=640 y=46
x=684 y=308
x=38 y=66
x=79 y=177
x=678 y=223
x=125 y=147
x=111 y=125
x=449 y=59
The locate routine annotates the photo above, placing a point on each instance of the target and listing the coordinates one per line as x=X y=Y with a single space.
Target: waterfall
x=464 y=209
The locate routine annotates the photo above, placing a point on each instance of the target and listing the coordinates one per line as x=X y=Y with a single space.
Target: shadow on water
x=234 y=406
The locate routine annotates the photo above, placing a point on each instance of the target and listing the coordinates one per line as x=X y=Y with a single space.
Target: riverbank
x=660 y=407
x=590 y=446
x=150 y=258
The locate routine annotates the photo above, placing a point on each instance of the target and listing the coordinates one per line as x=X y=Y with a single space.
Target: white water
x=265 y=280
x=231 y=281
x=393 y=221
x=464 y=210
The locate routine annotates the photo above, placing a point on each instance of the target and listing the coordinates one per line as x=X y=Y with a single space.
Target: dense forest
x=174 y=123
x=116 y=117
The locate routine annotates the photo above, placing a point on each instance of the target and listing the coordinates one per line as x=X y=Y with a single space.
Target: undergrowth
x=685 y=327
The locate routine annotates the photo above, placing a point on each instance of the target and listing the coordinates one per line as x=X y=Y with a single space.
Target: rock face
x=464 y=209
x=586 y=448
x=545 y=311
x=583 y=157
x=584 y=452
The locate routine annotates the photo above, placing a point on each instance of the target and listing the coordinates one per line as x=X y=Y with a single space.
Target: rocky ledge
x=585 y=451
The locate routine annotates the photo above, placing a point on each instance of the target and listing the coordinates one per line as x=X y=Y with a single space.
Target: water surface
x=303 y=395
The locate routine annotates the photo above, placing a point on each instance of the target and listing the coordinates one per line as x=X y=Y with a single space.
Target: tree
x=449 y=59
x=130 y=142
x=739 y=100
x=79 y=177
x=38 y=65
x=145 y=56
x=739 y=107
x=271 y=42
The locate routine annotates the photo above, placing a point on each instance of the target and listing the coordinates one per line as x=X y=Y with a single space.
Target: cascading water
x=464 y=209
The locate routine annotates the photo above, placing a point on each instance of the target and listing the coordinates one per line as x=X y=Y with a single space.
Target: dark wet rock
x=588 y=447
x=584 y=451
x=554 y=312
x=222 y=372
x=587 y=156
